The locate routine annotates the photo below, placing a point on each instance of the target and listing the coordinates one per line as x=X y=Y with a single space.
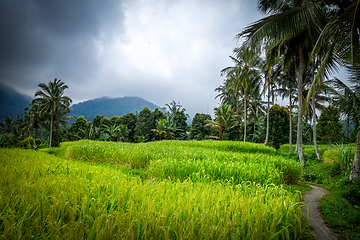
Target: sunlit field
x=188 y=190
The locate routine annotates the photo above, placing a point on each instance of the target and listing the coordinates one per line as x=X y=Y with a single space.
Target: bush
x=308 y=177
x=9 y=143
x=335 y=169
x=352 y=194
x=27 y=143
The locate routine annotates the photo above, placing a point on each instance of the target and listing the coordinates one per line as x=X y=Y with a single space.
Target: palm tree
x=123 y=132
x=271 y=74
x=244 y=78
x=8 y=126
x=288 y=32
x=112 y=130
x=160 y=128
x=33 y=120
x=175 y=107
x=88 y=132
x=224 y=119
x=51 y=101
x=348 y=99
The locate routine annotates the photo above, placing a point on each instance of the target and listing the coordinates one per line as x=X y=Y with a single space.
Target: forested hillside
x=110 y=107
x=11 y=102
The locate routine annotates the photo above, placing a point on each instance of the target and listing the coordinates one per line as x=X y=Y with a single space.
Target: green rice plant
x=234 y=146
x=197 y=160
x=46 y=197
x=308 y=150
x=231 y=167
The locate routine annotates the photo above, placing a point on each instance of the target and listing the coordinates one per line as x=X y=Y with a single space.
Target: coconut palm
x=224 y=119
x=160 y=128
x=123 y=132
x=244 y=78
x=287 y=88
x=33 y=120
x=52 y=102
x=348 y=99
x=175 y=107
x=112 y=130
x=289 y=31
x=8 y=126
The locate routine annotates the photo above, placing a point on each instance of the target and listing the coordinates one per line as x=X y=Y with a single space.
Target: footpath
x=319 y=229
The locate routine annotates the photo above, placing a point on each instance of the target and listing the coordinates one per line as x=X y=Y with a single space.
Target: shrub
x=308 y=177
x=335 y=169
x=27 y=143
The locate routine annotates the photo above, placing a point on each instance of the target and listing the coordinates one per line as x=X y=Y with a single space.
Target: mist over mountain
x=12 y=103
x=110 y=107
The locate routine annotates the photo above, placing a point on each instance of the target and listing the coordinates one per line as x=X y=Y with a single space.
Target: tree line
x=44 y=123
x=292 y=53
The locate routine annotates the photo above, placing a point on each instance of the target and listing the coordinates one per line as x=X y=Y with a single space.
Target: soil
x=319 y=229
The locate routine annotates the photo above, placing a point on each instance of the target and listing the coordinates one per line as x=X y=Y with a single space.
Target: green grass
x=341 y=208
x=46 y=197
x=228 y=161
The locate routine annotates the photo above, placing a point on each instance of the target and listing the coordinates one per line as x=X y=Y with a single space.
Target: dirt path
x=311 y=198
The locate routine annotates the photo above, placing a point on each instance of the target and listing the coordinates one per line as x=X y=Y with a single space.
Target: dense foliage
x=279 y=125
x=329 y=125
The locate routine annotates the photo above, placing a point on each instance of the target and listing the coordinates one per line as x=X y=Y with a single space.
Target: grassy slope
x=48 y=195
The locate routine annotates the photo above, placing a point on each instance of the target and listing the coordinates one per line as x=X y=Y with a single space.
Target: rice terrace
x=180 y=190
x=157 y=190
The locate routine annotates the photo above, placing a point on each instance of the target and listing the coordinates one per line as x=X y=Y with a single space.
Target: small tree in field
x=144 y=123
x=197 y=126
x=278 y=125
x=329 y=125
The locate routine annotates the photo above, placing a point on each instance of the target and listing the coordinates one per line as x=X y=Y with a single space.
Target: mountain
x=110 y=107
x=12 y=103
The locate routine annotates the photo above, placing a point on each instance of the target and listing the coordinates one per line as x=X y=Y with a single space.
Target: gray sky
x=161 y=50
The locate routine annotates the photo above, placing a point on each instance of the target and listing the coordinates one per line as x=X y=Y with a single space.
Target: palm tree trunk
x=314 y=129
x=268 y=116
x=355 y=170
x=300 y=70
x=245 y=118
x=51 y=129
x=290 y=121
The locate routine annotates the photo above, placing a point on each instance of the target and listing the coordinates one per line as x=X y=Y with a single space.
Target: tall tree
x=179 y=119
x=52 y=102
x=129 y=120
x=144 y=123
x=198 y=130
x=348 y=99
x=287 y=88
x=289 y=31
x=174 y=107
x=244 y=78
x=224 y=119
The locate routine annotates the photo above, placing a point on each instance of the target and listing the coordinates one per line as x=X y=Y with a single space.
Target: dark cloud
x=161 y=50
x=55 y=36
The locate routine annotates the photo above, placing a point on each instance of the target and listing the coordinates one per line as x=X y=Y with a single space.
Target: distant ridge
x=12 y=103
x=110 y=107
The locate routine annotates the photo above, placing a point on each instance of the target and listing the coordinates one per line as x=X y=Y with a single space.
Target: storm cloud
x=161 y=50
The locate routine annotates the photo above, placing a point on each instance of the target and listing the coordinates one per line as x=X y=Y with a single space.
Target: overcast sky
x=160 y=50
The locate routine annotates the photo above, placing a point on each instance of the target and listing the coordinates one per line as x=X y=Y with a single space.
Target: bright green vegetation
x=46 y=196
x=329 y=153
x=199 y=161
x=341 y=208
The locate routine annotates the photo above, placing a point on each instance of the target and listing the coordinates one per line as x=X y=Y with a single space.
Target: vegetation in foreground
x=341 y=208
x=46 y=196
